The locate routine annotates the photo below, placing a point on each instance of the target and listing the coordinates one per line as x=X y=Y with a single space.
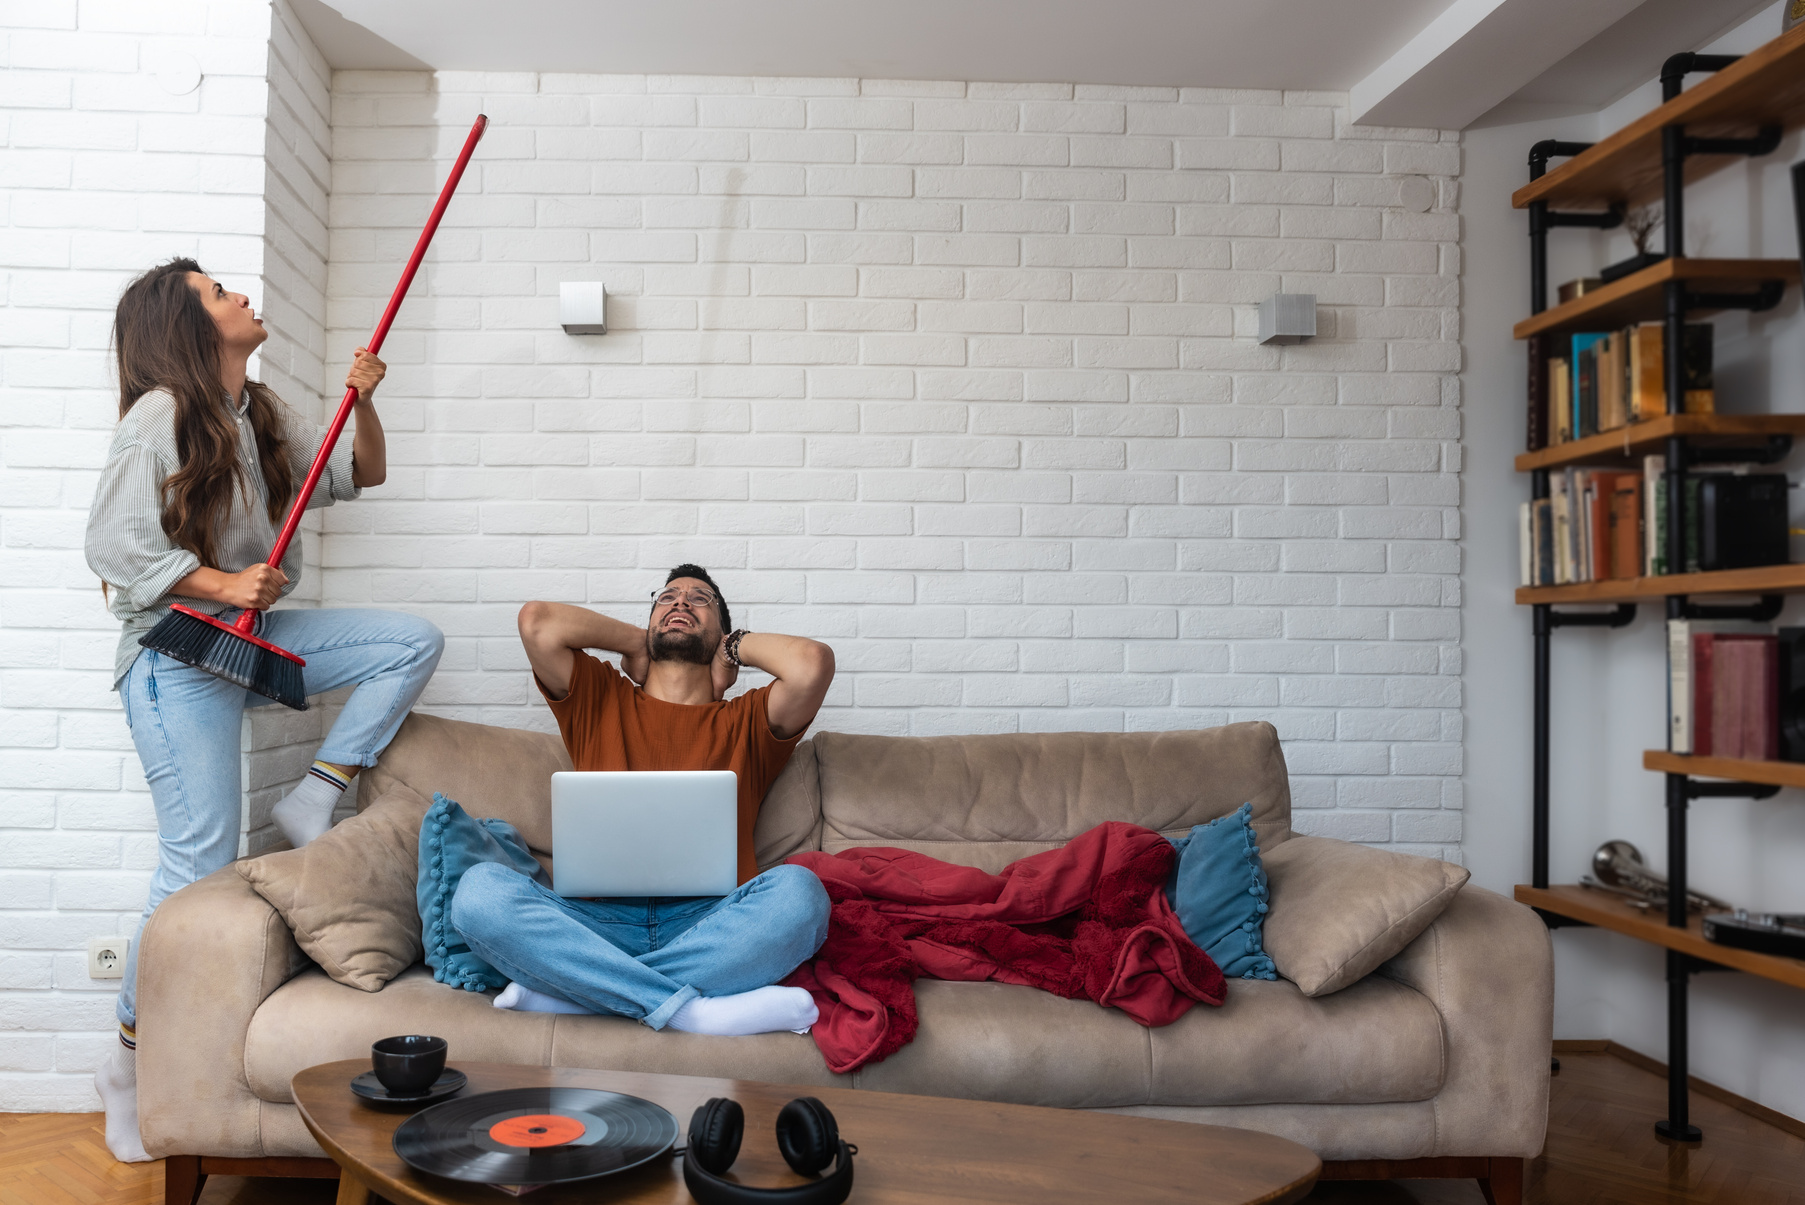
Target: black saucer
x=451 y=1081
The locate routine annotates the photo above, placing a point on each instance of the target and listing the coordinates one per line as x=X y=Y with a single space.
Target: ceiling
x=1437 y=63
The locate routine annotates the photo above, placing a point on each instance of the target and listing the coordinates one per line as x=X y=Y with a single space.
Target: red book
x=1702 y=658
x=1764 y=728
x=1602 y=486
x=1626 y=526
x=1726 y=697
x=1744 y=692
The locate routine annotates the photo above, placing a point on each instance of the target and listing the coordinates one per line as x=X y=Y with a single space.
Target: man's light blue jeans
x=185 y=723
x=641 y=958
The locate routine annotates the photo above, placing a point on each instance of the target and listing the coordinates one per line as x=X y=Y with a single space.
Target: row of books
x=1723 y=690
x=1585 y=383
x=1596 y=525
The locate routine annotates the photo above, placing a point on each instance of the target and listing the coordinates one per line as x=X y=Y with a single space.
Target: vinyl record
x=535 y=1136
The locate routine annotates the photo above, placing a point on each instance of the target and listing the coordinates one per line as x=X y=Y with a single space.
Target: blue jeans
x=185 y=723
x=641 y=958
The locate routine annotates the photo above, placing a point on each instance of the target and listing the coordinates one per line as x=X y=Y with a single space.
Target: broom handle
x=248 y=620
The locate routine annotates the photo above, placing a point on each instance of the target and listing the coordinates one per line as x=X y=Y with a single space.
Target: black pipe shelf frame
x=1678 y=302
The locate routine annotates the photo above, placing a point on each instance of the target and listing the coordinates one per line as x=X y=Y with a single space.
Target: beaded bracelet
x=730 y=647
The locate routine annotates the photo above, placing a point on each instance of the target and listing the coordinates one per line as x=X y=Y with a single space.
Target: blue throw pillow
x=1218 y=889
x=451 y=842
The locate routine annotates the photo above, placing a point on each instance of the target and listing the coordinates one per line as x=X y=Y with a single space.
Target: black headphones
x=807 y=1135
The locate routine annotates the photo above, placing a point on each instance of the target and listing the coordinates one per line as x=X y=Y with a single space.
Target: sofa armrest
x=1488 y=967
x=210 y=955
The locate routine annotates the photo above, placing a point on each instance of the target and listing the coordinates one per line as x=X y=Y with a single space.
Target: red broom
x=230 y=651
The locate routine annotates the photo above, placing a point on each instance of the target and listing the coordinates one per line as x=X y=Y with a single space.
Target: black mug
x=409 y=1065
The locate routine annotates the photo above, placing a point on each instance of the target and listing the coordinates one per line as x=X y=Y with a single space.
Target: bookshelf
x=1739 y=111
x=1608 y=911
x=1627 y=445
x=1641 y=296
x=1769 y=579
x=1765 y=88
x=1734 y=769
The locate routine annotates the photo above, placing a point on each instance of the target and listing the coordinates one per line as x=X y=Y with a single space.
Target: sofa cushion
x=506 y=774
x=987 y=800
x=1377 y=1041
x=451 y=842
x=349 y=895
x=499 y=773
x=310 y=1019
x=1218 y=889
x=1338 y=910
x=1268 y=1043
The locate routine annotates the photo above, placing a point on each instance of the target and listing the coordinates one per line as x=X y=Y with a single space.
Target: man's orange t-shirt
x=610 y=724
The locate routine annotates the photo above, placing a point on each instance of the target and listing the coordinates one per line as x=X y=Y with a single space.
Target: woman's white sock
x=117 y=1083
x=526 y=1000
x=762 y=1010
x=306 y=812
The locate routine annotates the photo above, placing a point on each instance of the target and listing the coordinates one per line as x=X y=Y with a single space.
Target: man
x=699 y=965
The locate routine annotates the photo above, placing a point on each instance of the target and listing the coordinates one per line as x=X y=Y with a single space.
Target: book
x=1585 y=391
x=1560 y=399
x=1538 y=393
x=1541 y=517
x=1735 y=688
x=1659 y=535
x=1626 y=526
x=1646 y=369
x=1647 y=396
x=1696 y=370
x=1560 y=499
x=1611 y=361
x=1654 y=560
x=1584 y=372
x=1525 y=545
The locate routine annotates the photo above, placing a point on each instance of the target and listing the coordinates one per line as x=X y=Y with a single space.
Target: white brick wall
x=105 y=174
x=958 y=378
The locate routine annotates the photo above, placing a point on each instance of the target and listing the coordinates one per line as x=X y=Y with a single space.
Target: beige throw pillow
x=1339 y=910
x=349 y=895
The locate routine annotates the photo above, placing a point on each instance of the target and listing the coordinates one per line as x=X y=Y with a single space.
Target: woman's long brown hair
x=165 y=339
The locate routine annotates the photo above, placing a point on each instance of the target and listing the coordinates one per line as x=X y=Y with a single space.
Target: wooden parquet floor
x=1601 y=1151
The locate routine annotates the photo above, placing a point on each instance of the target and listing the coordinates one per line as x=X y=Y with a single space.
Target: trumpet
x=1621 y=871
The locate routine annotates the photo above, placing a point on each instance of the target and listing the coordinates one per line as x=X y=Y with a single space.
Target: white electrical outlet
x=106 y=957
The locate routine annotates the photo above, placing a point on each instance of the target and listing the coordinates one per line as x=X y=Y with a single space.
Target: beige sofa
x=1436 y=1064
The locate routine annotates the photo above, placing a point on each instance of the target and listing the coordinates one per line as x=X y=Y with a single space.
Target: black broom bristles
x=225 y=654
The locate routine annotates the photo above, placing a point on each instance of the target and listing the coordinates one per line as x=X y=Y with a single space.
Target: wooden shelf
x=1626 y=445
x=1765 y=87
x=1641 y=296
x=1620 y=916
x=1771 y=773
x=1770 y=579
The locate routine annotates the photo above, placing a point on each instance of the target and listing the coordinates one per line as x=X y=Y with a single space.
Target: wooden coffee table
x=919 y=1150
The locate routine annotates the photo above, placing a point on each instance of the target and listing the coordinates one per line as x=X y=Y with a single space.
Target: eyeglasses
x=699 y=598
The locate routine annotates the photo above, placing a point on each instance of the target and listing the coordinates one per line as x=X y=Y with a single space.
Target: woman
x=203 y=468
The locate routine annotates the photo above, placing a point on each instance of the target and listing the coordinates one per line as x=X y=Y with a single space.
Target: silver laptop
x=652 y=832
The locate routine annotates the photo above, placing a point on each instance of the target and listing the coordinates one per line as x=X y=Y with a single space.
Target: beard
x=681 y=646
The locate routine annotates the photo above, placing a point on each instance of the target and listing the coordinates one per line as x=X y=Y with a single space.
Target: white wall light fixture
x=1288 y=318
x=582 y=307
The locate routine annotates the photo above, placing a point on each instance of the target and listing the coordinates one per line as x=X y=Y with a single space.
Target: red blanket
x=1087 y=920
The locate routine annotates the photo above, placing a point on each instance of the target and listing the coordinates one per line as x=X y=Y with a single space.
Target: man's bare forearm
x=553 y=633
x=785 y=658
x=804 y=669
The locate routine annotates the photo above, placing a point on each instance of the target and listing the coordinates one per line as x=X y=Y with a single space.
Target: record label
x=537 y=1129
x=535 y=1136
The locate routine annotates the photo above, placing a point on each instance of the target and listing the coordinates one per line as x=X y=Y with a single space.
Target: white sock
x=117 y=1083
x=306 y=811
x=762 y=1010
x=526 y=1000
